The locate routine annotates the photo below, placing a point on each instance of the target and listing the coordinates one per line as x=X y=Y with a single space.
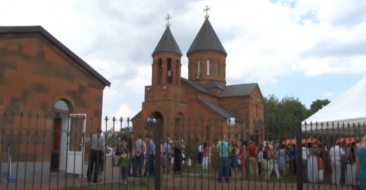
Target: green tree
x=112 y=140
x=281 y=116
x=317 y=105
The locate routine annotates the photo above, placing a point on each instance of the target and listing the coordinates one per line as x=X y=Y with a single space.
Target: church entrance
x=68 y=129
x=153 y=128
x=58 y=159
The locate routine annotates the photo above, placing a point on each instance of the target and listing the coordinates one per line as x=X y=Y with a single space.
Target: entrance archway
x=158 y=127
x=58 y=154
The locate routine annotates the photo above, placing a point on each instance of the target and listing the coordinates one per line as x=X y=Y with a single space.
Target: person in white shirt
x=97 y=147
x=170 y=76
x=200 y=151
x=260 y=158
x=305 y=156
x=335 y=154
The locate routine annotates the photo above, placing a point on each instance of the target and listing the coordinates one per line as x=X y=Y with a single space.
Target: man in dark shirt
x=130 y=158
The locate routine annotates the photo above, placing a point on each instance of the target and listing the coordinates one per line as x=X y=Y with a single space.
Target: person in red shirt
x=252 y=159
x=205 y=154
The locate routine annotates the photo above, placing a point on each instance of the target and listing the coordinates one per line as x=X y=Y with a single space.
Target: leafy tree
x=281 y=116
x=317 y=105
x=112 y=140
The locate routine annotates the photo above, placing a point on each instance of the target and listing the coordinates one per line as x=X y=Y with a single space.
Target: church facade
x=197 y=108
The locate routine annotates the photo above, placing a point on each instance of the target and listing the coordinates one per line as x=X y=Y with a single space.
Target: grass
x=137 y=183
x=196 y=171
x=149 y=183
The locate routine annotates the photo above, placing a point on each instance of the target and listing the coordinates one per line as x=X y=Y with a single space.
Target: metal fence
x=52 y=152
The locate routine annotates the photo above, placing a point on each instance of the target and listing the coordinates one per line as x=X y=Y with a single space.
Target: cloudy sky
x=310 y=49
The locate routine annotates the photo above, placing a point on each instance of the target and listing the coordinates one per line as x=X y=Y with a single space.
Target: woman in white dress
x=273 y=163
x=313 y=172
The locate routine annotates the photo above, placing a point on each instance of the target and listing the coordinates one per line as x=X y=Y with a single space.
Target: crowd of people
x=345 y=163
x=340 y=161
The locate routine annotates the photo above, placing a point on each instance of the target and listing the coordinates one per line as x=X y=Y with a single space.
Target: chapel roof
x=217 y=108
x=207 y=39
x=167 y=43
x=227 y=91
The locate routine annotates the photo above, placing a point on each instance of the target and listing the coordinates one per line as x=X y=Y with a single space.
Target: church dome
x=207 y=39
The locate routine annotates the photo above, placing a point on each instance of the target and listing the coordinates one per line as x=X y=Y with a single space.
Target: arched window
x=62 y=105
x=160 y=71
x=208 y=67
x=217 y=68
x=198 y=68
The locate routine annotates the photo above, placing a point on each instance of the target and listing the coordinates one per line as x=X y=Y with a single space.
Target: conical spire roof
x=167 y=43
x=206 y=39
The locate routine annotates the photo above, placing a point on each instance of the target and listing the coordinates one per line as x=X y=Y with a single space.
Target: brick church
x=198 y=107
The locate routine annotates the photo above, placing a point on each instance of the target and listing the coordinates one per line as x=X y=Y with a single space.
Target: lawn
x=135 y=183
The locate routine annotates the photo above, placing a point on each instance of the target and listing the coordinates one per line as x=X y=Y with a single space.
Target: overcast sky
x=311 y=49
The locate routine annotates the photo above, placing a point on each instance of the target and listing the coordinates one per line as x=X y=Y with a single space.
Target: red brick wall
x=203 y=56
x=34 y=74
x=175 y=68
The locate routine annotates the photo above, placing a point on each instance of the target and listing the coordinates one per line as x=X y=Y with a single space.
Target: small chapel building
x=197 y=108
x=46 y=90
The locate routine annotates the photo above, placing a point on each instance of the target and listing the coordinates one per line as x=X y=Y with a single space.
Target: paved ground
x=177 y=182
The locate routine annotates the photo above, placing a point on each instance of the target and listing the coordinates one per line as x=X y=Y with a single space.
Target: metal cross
x=206 y=9
x=167 y=18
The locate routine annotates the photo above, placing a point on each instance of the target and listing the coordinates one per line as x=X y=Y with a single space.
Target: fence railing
x=53 y=152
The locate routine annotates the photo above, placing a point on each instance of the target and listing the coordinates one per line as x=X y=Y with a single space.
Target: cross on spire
x=206 y=9
x=167 y=18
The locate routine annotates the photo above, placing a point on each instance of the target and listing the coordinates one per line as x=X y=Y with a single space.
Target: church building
x=198 y=107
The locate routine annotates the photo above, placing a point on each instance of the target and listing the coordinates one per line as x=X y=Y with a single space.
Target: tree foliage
x=113 y=140
x=317 y=105
x=281 y=116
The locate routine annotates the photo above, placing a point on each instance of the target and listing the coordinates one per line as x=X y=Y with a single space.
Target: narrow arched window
x=198 y=68
x=208 y=67
x=217 y=68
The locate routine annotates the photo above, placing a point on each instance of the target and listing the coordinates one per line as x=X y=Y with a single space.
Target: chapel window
x=198 y=68
x=208 y=67
x=217 y=68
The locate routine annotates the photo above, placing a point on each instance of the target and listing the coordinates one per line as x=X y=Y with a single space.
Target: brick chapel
x=197 y=108
x=45 y=90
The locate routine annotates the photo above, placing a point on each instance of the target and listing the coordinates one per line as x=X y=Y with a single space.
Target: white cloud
x=264 y=40
x=123 y=111
x=329 y=94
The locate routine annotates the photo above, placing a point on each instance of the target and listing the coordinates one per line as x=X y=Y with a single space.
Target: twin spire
x=206 y=38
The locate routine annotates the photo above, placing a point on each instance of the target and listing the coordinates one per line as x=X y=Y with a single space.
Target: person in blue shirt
x=361 y=165
x=292 y=157
x=151 y=156
x=168 y=151
x=223 y=148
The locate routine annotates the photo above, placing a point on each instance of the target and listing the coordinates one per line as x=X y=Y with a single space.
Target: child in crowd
x=164 y=162
x=124 y=165
x=189 y=164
